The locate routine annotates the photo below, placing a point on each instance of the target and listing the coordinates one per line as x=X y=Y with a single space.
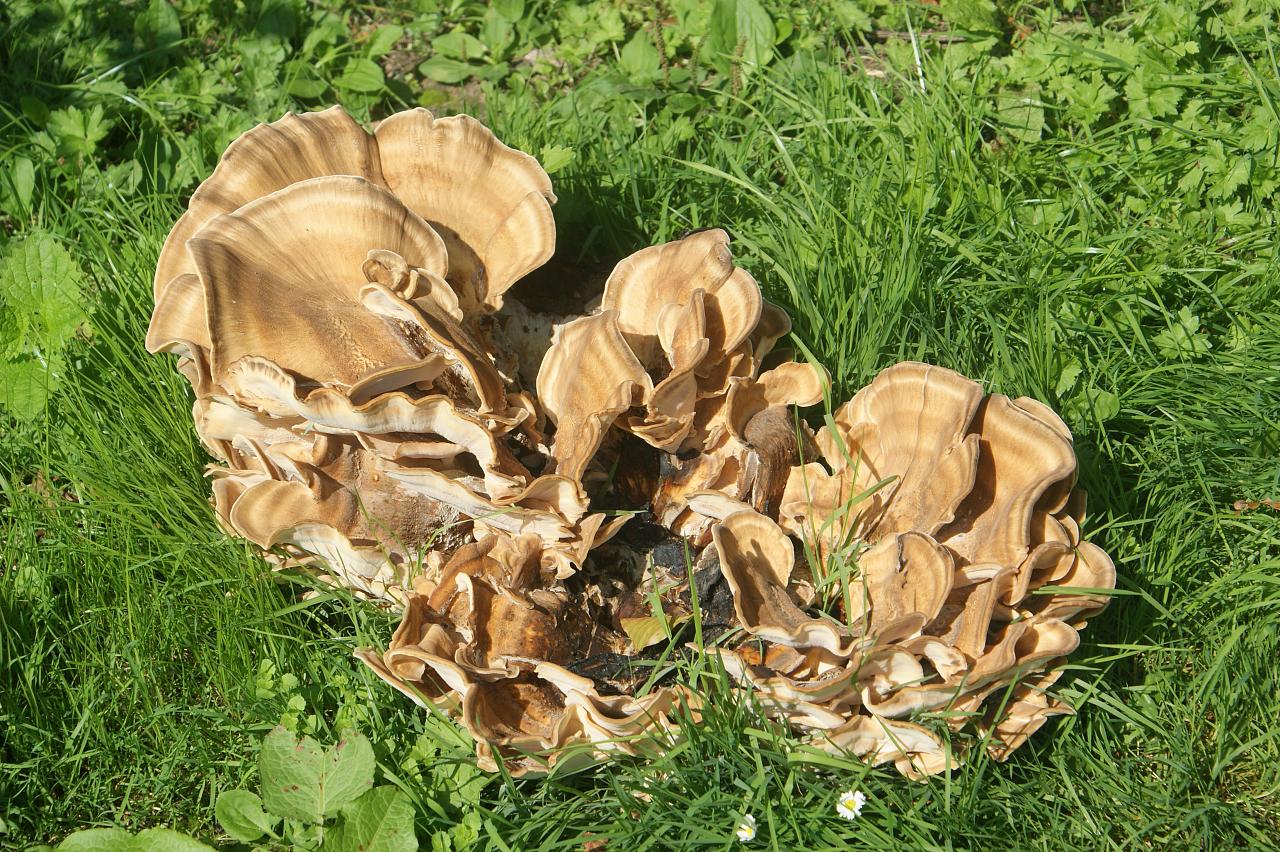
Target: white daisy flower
x=850 y=803
x=746 y=830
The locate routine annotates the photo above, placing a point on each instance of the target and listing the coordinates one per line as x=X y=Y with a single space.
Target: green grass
x=134 y=634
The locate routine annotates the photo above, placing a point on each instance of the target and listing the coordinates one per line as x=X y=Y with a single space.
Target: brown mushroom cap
x=268 y=158
x=757 y=559
x=652 y=279
x=299 y=253
x=588 y=378
x=490 y=203
x=179 y=320
x=1021 y=458
x=909 y=426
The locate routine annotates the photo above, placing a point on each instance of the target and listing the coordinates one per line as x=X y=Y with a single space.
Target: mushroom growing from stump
x=385 y=411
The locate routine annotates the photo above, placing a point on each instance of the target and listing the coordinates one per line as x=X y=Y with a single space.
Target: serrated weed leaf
x=301 y=780
x=41 y=289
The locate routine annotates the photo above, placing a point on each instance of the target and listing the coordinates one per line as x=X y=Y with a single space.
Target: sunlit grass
x=133 y=632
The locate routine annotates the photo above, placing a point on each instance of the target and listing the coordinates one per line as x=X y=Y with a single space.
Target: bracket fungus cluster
x=549 y=497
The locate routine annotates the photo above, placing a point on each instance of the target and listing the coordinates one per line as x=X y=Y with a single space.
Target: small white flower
x=746 y=830
x=850 y=803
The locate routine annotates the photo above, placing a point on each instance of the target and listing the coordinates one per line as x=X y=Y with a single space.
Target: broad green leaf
x=303 y=81
x=118 y=840
x=1235 y=176
x=380 y=821
x=639 y=59
x=444 y=70
x=302 y=781
x=1021 y=116
x=278 y=19
x=291 y=773
x=98 y=840
x=1183 y=338
x=741 y=32
x=466 y=832
x=512 y=10
x=77 y=133
x=975 y=16
x=647 y=630
x=18 y=187
x=351 y=772
x=458 y=45
x=157 y=25
x=36 y=110
x=40 y=284
x=644 y=631
x=497 y=33
x=362 y=75
x=241 y=815
x=555 y=157
x=1093 y=404
x=329 y=29
x=1067 y=379
x=383 y=39
x=167 y=840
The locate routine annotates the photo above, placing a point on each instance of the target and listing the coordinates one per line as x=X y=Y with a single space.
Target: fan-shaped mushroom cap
x=909 y=426
x=686 y=312
x=757 y=559
x=1091 y=573
x=422 y=647
x=903 y=575
x=1021 y=458
x=787 y=384
x=808 y=692
x=915 y=751
x=491 y=203
x=268 y=158
x=1030 y=706
x=234 y=432
x=299 y=253
x=588 y=377
x=547 y=717
x=892 y=684
x=647 y=282
x=179 y=321
x=774 y=324
x=749 y=449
